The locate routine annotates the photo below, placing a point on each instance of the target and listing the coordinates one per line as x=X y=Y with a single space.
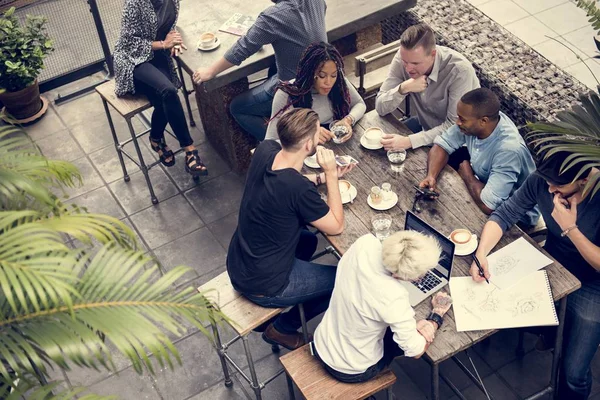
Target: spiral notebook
x=482 y=306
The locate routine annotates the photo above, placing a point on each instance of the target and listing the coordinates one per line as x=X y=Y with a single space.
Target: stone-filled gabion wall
x=530 y=87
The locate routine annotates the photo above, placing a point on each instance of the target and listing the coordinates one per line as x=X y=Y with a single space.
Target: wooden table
x=355 y=21
x=454 y=209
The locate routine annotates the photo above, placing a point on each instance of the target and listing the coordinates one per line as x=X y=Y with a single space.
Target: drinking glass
x=382 y=224
x=339 y=130
x=386 y=191
x=396 y=159
x=375 y=195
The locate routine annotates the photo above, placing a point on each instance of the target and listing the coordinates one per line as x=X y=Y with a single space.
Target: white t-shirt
x=366 y=300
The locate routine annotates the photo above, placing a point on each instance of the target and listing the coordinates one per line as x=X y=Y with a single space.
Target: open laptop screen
x=415 y=223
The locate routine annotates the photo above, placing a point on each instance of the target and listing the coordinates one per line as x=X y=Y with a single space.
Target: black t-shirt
x=276 y=205
x=165 y=18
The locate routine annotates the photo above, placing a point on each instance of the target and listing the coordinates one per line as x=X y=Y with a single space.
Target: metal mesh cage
x=71 y=26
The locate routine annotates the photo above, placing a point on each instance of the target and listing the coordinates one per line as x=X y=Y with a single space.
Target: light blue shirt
x=501 y=161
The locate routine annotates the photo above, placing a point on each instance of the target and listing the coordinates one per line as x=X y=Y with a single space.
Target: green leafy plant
x=61 y=303
x=592 y=11
x=22 y=50
x=576 y=131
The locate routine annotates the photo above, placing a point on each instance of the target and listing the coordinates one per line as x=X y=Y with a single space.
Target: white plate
x=468 y=250
x=216 y=44
x=311 y=163
x=363 y=143
x=353 y=193
x=384 y=205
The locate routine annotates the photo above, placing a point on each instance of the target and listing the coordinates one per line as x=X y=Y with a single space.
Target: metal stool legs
x=115 y=140
x=186 y=93
x=220 y=351
x=256 y=385
x=143 y=166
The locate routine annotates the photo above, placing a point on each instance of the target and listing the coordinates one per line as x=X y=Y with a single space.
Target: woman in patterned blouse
x=143 y=64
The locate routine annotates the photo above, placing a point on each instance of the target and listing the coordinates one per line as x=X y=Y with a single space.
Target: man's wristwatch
x=435 y=317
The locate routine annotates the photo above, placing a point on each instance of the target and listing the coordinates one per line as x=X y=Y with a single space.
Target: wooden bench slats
x=315 y=383
x=127 y=105
x=244 y=314
x=350 y=62
x=373 y=80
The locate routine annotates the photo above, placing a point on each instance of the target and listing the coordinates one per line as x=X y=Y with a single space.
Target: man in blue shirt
x=487 y=151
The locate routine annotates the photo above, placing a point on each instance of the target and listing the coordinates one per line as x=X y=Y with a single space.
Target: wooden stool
x=307 y=372
x=244 y=316
x=128 y=107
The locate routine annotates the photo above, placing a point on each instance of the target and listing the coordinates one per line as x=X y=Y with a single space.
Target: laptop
x=436 y=278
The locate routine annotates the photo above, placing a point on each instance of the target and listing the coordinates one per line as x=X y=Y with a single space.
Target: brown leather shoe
x=289 y=341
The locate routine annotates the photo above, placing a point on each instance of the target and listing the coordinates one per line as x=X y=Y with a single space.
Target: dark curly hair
x=299 y=92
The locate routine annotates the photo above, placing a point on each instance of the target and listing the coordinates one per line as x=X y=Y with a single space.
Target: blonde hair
x=410 y=254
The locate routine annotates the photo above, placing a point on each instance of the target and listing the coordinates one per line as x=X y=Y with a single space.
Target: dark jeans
x=309 y=283
x=580 y=342
x=152 y=79
x=252 y=109
x=391 y=350
x=413 y=124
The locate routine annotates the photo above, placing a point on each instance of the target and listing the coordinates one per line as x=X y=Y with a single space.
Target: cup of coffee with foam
x=345 y=190
x=207 y=39
x=462 y=239
x=373 y=136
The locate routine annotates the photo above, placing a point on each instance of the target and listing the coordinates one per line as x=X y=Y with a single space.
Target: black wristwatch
x=435 y=317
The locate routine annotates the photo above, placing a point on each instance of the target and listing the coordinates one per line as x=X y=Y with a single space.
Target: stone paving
x=192 y=225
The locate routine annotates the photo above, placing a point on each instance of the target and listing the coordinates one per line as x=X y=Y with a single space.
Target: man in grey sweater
x=432 y=78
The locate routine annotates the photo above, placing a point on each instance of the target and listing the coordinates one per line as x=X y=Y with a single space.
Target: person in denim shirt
x=487 y=151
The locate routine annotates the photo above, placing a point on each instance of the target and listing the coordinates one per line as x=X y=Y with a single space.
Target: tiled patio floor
x=192 y=226
x=193 y=223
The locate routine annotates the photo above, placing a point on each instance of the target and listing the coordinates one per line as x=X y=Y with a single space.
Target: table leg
x=435 y=381
x=562 y=311
x=223 y=133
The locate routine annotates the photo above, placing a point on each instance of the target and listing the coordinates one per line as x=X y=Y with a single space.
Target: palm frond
x=118 y=297
x=577 y=131
x=26 y=388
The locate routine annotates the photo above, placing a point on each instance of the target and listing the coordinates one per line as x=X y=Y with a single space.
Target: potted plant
x=22 y=53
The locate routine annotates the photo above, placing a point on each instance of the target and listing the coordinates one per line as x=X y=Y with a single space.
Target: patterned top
x=290 y=26
x=139 y=27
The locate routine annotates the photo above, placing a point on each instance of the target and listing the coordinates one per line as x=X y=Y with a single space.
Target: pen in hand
x=481 y=273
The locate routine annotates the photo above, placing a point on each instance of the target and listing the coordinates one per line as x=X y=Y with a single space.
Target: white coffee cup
x=345 y=190
x=373 y=136
x=462 y=239
x=207 y=39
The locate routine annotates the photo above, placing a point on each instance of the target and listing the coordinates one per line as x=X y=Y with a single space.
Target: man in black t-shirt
x=268 y=256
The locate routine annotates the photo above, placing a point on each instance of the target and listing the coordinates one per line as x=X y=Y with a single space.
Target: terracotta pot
x=24 y=103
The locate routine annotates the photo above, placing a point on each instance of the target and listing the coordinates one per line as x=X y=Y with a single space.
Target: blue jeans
x=252 y=109
x=391 y=350
x=413 y=124
x=580 y=342
x=309 y=283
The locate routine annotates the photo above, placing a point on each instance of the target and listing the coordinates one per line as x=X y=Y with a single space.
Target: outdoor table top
x=343 y=18
x=453 y=209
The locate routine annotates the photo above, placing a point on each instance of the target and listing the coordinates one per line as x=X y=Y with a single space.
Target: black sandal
x=194 y=165
x=163 y=151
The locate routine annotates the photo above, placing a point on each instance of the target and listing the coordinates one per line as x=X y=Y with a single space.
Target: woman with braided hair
x=321 y=86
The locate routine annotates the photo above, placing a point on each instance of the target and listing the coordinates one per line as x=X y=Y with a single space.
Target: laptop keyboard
x=428 y=282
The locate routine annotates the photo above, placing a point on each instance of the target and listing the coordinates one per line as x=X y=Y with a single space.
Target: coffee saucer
x=311 y=162
x=470 y=249
x=216 y=44
x=385 y=204
x=366 y=145
x=353 y=194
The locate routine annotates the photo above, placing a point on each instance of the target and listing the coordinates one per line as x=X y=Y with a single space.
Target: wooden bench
x=306 y=371
x=128 y=107
x=367 y=69
x=243 y=316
